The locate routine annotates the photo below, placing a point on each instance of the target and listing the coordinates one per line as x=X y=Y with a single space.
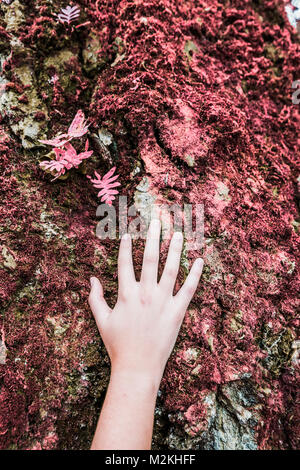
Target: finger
x=125 y=267
x=151 y=254
x=187 y=291
x=97 y=302
x=170 y=272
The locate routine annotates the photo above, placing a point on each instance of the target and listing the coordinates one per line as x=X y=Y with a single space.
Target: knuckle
x=190 y=289
x=123 y=260
x=145 y=298
x=122 y=296
x=177 y=247
x=171 y=272
x=150 y=259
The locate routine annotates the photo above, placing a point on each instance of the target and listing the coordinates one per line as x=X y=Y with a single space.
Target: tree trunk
x=192 y=102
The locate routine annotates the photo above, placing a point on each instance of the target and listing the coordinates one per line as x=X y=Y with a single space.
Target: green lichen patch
x=278 y=347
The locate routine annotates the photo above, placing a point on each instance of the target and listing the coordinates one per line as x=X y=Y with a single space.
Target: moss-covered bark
x=192 y=102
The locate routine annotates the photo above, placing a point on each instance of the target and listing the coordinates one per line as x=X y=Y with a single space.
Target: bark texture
x=192 y=102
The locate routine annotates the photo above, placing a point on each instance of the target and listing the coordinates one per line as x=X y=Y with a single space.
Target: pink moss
x=198 y=91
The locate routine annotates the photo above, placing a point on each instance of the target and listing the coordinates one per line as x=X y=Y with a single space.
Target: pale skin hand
x=139 y=334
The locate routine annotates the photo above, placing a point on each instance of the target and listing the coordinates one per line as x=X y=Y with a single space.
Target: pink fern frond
x=73 y=157
x=69 y=14
x=106 y=184
x=78 y=126
x=54 y=165
x=66 y=158
x=57 y=141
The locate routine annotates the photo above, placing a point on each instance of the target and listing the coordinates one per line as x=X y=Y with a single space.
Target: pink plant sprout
x=78 y=128
x=106 y=185
x=69 y=14
x=66 y=158
x=58 y=141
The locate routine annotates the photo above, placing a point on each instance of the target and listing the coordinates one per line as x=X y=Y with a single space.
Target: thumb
x=97 y=302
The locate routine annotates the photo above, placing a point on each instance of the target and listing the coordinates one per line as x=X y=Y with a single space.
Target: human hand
x=139 y=333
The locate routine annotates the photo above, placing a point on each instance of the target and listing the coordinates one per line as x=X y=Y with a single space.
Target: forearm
x=126 y=419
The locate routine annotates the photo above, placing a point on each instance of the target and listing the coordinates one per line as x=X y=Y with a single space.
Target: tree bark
x=192 y=102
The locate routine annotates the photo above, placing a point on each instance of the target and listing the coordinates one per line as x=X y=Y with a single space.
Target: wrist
x=136 y=379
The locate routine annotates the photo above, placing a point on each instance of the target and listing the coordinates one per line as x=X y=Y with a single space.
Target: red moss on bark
x=198 y=93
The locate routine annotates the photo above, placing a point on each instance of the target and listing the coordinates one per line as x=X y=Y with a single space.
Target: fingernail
x=92 y=280
x=126 y=236
x=199 y=263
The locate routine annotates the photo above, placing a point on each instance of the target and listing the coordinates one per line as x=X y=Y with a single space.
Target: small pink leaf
x=66 y=158
x=106 y=184
x=109 y=173
x=69 y=14
x=78 y=126
x=58 y=141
